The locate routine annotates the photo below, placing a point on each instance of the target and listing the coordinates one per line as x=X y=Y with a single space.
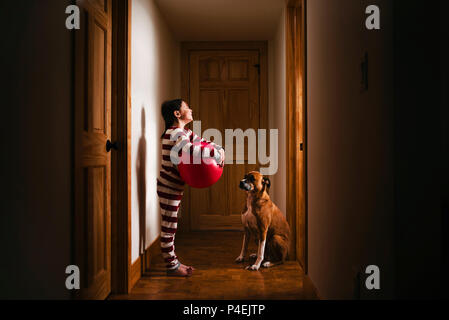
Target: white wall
x=350 y=148
x=155 y=77
x=277 y=109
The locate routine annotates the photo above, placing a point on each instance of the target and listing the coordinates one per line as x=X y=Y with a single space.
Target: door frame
x=296 y=99
x=186 y=48
x=121 y=275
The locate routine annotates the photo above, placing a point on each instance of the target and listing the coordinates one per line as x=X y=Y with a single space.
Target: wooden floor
x=217 y=277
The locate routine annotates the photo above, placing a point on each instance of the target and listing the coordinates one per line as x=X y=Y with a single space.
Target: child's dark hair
x=167 y=110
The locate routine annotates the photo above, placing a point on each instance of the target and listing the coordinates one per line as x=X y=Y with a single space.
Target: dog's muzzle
x=244 y=185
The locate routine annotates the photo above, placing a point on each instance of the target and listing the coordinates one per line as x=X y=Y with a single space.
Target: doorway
x=206 y=216
x=102 y=195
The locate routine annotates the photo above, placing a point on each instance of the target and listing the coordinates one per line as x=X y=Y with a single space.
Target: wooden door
x=224 y=94
x=92 y=161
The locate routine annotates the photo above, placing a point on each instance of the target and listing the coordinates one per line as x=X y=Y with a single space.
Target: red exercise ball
x=200 y=175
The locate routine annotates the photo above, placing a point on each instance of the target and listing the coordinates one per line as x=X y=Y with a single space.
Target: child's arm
x=183 y=143
x=218 y=148
x=197 y=138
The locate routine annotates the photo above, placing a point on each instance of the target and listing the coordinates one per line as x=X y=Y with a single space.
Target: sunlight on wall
x=155 y=69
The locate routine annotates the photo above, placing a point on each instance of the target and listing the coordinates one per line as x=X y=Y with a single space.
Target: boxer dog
x=263 y=220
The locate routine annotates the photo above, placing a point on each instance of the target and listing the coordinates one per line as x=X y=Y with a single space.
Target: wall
x=36 y=161
x=155 y=59
x=350 y=149
x=277 y=107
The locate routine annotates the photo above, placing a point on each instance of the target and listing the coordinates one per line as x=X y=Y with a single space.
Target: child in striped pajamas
x=176 y=114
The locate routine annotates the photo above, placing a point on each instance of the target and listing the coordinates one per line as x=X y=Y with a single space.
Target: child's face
x=186 y=113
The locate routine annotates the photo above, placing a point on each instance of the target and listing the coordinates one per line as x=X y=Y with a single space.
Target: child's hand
x=222 y=153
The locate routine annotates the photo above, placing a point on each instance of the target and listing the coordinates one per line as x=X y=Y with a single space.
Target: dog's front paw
x=267 y=264
x=239 y=259
x=254 y=267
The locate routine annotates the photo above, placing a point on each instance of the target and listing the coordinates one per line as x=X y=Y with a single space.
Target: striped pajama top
x=183 y=139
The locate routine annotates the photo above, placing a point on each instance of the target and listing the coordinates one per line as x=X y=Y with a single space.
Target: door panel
x=224 y=94
x=92 y=162
x=98 y=81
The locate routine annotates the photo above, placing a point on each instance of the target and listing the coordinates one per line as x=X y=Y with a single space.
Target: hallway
x=217 y=276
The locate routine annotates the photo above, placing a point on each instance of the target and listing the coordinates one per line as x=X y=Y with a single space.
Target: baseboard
x=136 y=273
x=143 y=262
x=312 y=288
x=153 y=251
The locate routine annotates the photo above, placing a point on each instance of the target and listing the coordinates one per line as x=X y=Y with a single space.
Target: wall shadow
x=142 y=183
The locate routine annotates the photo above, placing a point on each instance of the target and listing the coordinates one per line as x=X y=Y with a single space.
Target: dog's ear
x=267 y=182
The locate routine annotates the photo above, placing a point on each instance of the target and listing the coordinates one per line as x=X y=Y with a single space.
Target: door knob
x=110 y=146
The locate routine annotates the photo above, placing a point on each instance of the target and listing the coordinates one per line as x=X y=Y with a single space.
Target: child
x=176 y=114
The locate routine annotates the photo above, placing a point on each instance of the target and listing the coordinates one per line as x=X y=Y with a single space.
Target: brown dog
x=262 y=219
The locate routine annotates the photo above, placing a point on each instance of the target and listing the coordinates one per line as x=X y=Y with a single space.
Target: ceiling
x=222 y=20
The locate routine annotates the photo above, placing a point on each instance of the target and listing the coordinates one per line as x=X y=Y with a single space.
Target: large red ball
x=200 y=175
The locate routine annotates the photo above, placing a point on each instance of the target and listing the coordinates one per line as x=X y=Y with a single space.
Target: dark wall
x=378 y=160
x=35 y=220
x=444 y=121
x=350 y=138
x=421 y=148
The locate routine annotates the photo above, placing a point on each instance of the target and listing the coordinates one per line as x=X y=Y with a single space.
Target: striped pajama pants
x=170 y=196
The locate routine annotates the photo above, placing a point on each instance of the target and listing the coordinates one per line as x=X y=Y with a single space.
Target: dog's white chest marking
x=248 y=218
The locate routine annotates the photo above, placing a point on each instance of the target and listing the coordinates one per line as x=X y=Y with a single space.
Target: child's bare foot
x=189 y=268
x=182 y=271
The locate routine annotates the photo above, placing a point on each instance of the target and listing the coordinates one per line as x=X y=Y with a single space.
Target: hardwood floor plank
x=217 y=277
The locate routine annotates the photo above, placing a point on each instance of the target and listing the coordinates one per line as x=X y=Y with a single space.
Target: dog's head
x=255 y=182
